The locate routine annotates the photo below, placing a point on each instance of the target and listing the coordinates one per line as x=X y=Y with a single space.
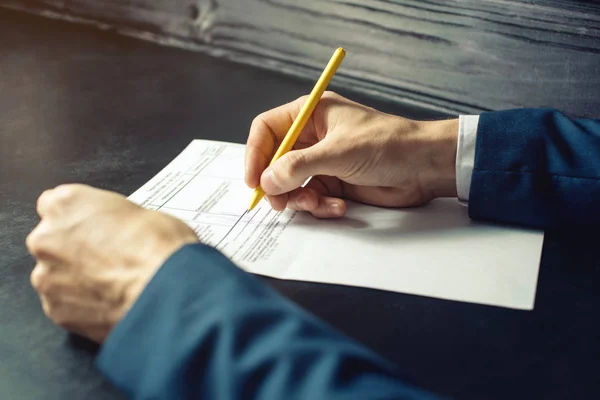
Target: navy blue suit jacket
x=537 y=168
x=203 y=328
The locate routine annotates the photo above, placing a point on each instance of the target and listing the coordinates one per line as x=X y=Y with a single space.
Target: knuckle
x=52 y=201
x=43 y=201
x=259 y=126
x=35 y=278
x=64 y=194
x=39 y=280
x=35 y=241
x=262 y=118
x=326 y=105
x=330 y=98
x=294 y=163
x=258 y=119
x=32 y=242
x=298 y=103
x=328 y=94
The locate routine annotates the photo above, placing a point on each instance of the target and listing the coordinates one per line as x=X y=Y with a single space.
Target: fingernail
x=334 y=209
x=270 y=177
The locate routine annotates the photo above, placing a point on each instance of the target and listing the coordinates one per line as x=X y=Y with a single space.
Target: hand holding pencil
x=350 y=152
x=307 y=109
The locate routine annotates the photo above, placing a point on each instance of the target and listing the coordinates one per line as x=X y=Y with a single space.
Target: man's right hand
x=351 y=152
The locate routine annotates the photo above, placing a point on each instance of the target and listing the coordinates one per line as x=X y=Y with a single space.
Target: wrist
x=440 y=139
x=173 y=236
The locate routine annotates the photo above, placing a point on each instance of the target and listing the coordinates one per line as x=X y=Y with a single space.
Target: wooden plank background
x=455 y=56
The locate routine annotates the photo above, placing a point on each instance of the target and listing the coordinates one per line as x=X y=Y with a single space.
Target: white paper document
x=434 y=250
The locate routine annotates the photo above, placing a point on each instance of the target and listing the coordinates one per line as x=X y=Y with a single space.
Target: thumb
x=293 y=169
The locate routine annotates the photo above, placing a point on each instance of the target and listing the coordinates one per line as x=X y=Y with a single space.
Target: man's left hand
x=95 y=253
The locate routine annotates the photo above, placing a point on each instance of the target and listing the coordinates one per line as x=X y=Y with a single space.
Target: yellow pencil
x=305 y=113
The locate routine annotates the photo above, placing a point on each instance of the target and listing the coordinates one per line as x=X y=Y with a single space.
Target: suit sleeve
x=203 y=328
x=536 y=168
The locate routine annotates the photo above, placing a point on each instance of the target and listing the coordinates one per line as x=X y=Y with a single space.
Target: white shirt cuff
x=465 y=154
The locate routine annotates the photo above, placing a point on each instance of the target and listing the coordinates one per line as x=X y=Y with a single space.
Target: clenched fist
x=95 y=253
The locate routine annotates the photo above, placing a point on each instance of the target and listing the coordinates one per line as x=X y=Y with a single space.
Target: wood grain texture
x=451 y=56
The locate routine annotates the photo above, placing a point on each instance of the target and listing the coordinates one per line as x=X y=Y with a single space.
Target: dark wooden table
x=78 y=105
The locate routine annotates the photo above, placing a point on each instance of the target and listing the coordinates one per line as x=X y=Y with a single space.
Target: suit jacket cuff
x=465 y=154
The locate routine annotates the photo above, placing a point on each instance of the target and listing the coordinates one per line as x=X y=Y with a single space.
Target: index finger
x=266 y=132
